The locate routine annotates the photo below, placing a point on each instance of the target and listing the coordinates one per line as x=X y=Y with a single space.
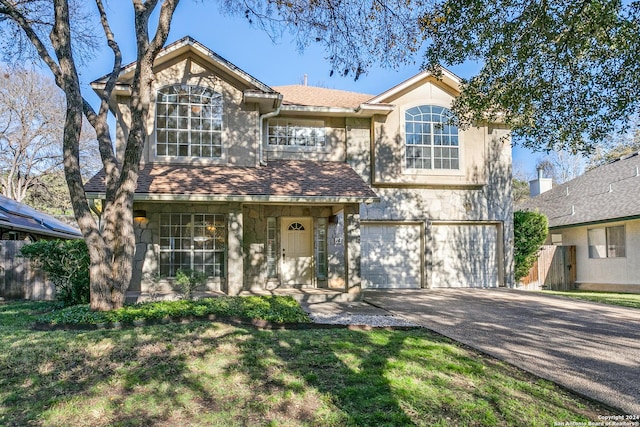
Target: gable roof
x=20 y=217
x=189 y=44
x=320 y=97
x=447 y=78
x=607 y=193
x=280 y=181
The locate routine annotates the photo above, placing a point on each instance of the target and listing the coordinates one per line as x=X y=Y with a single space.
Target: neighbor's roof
x=20 y=217
x=313 y=96
x=606 y=193
x=280 y=181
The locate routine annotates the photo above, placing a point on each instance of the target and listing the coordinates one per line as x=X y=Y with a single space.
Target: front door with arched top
x=296 y=253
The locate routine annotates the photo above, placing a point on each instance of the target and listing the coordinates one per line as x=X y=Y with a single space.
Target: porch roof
x=282 y=181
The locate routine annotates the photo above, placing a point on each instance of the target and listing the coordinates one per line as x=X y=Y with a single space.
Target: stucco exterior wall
x=334 y=151
x=239 y=121
x=479 y=195
x=476 y=196
x=389 y=145
x=601 y=273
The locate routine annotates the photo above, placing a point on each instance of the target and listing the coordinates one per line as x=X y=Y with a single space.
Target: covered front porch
x=291 y=224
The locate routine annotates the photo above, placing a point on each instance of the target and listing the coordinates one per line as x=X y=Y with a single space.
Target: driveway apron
x=591 y=348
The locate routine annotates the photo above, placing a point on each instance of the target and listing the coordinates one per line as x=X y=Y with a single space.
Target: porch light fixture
x=139 y=214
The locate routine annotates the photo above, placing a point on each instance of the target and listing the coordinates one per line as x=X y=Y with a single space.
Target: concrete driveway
x=591 y=348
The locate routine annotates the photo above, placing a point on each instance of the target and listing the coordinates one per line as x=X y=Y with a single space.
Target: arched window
x=296 y=226
x=188 y=122
x=431 y=142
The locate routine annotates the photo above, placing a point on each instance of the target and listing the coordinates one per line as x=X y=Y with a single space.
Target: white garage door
x=391 y=255
x=464 y=256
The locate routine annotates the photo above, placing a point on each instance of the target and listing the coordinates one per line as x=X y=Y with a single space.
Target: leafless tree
x=49 y=29
x=562 y=165
x=31 y=122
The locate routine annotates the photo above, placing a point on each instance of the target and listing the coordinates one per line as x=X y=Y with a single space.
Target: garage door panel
x=464 y=256
x=391 y=256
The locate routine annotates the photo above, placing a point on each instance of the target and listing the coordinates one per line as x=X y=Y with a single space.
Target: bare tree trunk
x=111 y=249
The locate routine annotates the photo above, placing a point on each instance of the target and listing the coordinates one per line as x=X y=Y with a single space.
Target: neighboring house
x=265 y=187
x=599 y=213
x=20 y=225
x=21 y=222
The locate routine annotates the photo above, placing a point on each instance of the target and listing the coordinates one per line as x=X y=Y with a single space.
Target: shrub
x=530 y=231
x=66 y=263
x=272 y=308
x=188 y=281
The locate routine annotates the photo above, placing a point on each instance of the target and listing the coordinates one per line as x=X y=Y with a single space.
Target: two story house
x=297 y=186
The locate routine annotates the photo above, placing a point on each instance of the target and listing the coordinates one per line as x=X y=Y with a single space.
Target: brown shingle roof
x=278 y=180
x=320 y=97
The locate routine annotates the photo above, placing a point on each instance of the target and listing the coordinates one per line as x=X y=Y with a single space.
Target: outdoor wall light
x=139 y=215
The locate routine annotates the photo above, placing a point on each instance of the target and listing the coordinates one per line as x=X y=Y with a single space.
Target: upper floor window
x=295 y=132
x=431 y=142
x=188 y=122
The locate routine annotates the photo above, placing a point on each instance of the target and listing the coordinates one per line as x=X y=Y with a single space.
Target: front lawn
x=207 y=374
x=625 y=300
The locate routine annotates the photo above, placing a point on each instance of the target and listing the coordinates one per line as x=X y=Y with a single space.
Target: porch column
x=353 y=282
x=235 y=270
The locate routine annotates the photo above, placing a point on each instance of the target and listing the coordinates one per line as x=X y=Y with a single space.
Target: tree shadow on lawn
x=137 y=376
x=217 y=374
x=315 y=371
x=173 y=373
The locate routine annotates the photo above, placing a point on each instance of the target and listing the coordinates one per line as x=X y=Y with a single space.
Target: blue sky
x=252 y=50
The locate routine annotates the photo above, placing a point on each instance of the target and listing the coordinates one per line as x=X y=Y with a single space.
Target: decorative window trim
x=292 y=134
x=189 y=123
x=434 y=144
x=602 y=242
x=272 y=248
x=320 y=246
x=196 y=239
x=296 y=226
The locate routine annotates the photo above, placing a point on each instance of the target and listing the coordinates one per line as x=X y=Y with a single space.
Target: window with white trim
x=193 y=242
x=431 y=142
x=296 y=133
x=607 y=242
x=272 y=251
x=321 y=247
x=188 y=122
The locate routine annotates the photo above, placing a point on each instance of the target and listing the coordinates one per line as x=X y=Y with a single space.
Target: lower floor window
x=192 y=242
x=607 y=242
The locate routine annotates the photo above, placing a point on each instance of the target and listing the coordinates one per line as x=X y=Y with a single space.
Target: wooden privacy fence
x=555 y=269
x=18 y=278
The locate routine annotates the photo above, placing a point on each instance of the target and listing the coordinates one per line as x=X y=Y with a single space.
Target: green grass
x=622 y=299
x=217 y=374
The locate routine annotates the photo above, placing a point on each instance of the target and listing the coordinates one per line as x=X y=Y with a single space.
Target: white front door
x=297 y=251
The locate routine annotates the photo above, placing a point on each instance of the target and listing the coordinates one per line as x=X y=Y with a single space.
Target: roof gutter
x=39 y=231
x=261 y=161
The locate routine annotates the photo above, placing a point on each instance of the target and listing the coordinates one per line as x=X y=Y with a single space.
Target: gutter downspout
x=261 y=161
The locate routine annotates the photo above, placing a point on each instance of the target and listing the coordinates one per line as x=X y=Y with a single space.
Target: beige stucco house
x=598 y=213
x=267 y=187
